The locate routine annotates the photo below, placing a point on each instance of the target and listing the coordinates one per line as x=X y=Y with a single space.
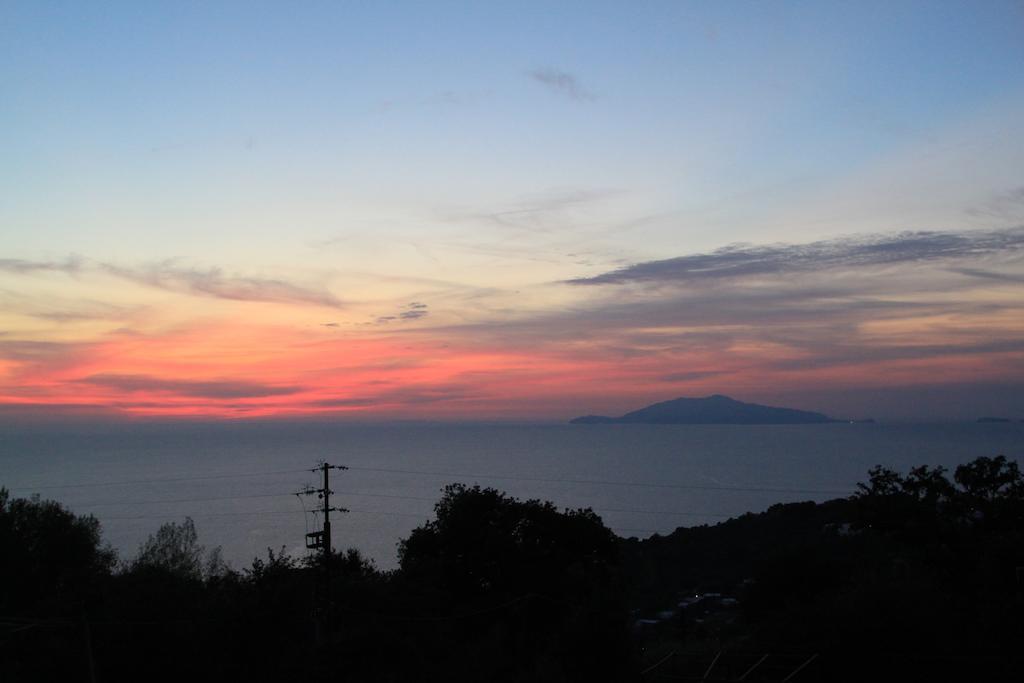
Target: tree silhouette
x=545 y=583
x=51 y=558
x=175 y=549
x=985 y=480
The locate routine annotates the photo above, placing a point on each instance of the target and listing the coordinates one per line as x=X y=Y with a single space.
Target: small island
x=715 y=409
x=988 y=420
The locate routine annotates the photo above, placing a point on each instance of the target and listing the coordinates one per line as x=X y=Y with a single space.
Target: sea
x=240 y=482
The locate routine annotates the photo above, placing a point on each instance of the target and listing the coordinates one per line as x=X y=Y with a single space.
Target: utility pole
x=87 y=632
x=321 y=540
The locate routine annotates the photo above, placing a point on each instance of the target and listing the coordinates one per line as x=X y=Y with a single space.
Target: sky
x=489 y=211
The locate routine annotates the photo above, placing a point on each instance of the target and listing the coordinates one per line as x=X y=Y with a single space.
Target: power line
x=551 y=480
x=295 y=512
x=181 y=500
x=260 y=512
x=664 y=512
x=368 y=495
x=133 y=482
x=241 y=497
x=596 y=509
x=206 y=514
x=463 y=475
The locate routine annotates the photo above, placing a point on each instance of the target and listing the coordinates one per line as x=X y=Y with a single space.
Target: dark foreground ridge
x=915 y=577
x=710 y=410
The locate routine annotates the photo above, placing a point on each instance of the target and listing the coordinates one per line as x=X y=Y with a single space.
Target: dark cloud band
x=739 y=261
x=213 y=389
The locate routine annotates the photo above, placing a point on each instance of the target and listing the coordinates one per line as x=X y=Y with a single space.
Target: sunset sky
x=437 y=210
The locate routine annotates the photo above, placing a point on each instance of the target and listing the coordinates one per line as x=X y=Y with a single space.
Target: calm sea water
x=641 y=479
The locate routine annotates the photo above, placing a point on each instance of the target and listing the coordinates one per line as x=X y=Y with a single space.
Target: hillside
x=715 y=409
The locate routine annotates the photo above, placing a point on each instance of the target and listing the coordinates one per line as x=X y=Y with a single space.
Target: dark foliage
x=915 y=577
x=536 y=593
x=494 y=589
x=52 y=563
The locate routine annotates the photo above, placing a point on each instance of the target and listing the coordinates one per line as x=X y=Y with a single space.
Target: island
x=715 y=409
x=999 y=420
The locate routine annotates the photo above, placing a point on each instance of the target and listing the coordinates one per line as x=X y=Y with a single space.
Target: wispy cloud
x=990 y=275
x=541 y=212
x=411 y=311
x=60 y=309
x=739 y=261
x=27 y=350
x=211 y=389
x=689 y=376
x=32 y=361
x=168 y=275
x=439 y=98
x=1003 y=205
x=563 y=83
x=407 y=395
x=213 y=282
x=72 y=264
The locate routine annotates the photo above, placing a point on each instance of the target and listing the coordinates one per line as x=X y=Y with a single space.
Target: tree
x=175 y=548
x=923 y=484
x=988 y=479
x=985 y=490
x=51 y=557
x=544 y=586
x=52 y=566
x=484 y=542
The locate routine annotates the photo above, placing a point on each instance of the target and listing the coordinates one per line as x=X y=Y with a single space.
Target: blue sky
x=493 y=150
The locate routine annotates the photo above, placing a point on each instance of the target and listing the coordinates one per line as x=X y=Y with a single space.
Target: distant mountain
x=715 y=409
